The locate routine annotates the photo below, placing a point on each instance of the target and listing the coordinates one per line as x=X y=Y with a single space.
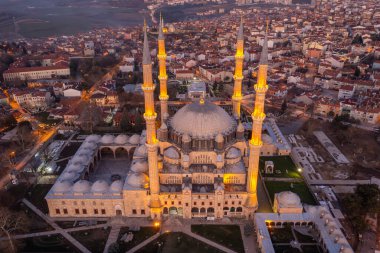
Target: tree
x=357 y=72
x=358 y=39
x=124 y=121
x=366 y=199
x=24 y=132
x=11 y=222
x=284 y=106
x=370 y=197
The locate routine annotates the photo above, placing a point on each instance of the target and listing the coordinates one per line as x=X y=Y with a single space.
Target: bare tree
x=11 y=222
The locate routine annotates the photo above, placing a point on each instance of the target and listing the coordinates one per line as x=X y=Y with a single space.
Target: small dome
x=219 y=138
x=92 y=138
x=81 y=160
x=62 y=186
x=88 y=145
x=116 y=186
x=107 y=139
x=163 y=126
x=139 y=165
x=171 y=153
x=81 y=186
x=288 y=199
x=74 y=167
x=233 y=153
x=134 y=139
x=266 y=139
x=142 y=140
x=138 y=180
x=141 y=151
x=100 y=186
x=69 y=176
x=84 y=152
x=121 y=139
x=240 y=127
x=186 y=138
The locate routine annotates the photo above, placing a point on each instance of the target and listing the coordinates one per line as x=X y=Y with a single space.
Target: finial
x=161 y=28
x=241 y=31
x=146 y=52
x=201 y=101
x=145 y=26
x=264 y=52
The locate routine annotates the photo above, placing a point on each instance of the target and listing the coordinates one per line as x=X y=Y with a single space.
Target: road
x=50 y=132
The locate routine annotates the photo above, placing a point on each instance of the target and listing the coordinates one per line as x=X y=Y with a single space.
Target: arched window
x=195 y=210
x=203 y=210
x=232 y=209
x=166 y=211
x=210 y=210
x=239 y=209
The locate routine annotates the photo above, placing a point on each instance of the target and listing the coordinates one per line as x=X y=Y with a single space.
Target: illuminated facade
x=197 y=164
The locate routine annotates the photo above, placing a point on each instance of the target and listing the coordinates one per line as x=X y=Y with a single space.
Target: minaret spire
x=160 y=28
x=238 y=76
x=258 y=117
x=163 y=77
x=151 y=140
x=146 y=52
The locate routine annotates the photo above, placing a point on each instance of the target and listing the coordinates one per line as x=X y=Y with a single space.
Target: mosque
x=197 y=164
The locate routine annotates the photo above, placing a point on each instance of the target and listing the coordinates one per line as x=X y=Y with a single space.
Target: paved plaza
x=172 y=224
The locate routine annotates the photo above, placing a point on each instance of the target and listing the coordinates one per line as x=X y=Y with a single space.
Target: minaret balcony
x=163 y=97
x=238 y=77
x=258 y=116
x=237 y=97
x=151 y=116
x=148 y=88
x=261 y=88
x=163 y=77
x=162 y=56
x=255 y=142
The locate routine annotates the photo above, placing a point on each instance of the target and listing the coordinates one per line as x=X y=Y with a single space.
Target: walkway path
x=248 y=241
x=112 y=237
x=144 y=243
x=65 y=234
x=52 y=232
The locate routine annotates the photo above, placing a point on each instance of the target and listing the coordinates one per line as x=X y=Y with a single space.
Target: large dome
x=202 y=120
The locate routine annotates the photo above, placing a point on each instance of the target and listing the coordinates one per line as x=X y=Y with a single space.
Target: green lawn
x=54 y=243
x=281 y=235
x=138 y=237
x=177 y=243
x=298 y=187
x=93 y=239
x=304 y=238
x=288 y=249
x=226 y=235
x=36 y=194
x=282 y=163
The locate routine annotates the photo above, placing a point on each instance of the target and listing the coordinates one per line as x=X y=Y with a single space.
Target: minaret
x=258 y=117
x=151 y=141
x=163 y=77
x=238 y=77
